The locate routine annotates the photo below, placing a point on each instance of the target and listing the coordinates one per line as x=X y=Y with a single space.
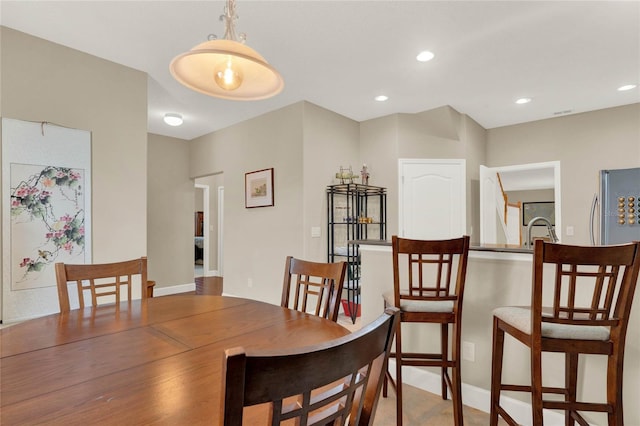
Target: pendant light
x=227 y=68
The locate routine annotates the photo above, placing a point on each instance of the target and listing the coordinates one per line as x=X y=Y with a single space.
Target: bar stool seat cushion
x=407 y=305
x=520 y=318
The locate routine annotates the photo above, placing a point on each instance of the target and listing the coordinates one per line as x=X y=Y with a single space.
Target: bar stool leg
x=496 y=372
x=385 y=381
x=456 y=380
x=536 y=383
x=614 y=388
x=570 y=383
x=399 y=376
x=444 y=351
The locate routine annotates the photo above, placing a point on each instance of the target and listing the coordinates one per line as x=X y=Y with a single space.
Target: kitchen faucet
x=552 y=232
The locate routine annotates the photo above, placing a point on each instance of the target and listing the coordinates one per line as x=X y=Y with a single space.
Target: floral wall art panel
x=47 y=221
x=46 y=199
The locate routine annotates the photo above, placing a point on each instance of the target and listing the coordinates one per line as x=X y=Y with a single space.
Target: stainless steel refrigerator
x=619 y=213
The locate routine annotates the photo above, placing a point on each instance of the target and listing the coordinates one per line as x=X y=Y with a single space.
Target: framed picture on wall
x=258 y=188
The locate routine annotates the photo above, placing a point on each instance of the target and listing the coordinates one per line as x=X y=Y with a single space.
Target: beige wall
x=257 y=240
x=379 y=150
x=442 y=133
x=329 y=141
x=584 y=144
x=171 y=200
x=43 y=81
x=306 y=145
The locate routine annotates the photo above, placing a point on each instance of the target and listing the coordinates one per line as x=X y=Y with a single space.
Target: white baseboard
x=475 y=397
x=174 y=289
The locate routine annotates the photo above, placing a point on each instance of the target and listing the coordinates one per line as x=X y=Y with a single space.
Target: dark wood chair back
x=100 y=281
x=430 y=274
x=580 y=304
x=313 y=287
x=428 y=287
x=591 y=286
x=324 y=384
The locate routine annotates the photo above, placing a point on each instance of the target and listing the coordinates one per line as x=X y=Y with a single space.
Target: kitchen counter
x=501 y=248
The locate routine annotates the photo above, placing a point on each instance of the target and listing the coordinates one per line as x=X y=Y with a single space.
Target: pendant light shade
x=205 y=67
x=226 y=68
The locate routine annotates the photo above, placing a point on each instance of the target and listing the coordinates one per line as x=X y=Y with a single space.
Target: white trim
x=174 y=289
x=473 y=396
x=377 y=247
x=205 y=227
x=219 y=272
x=500 y=255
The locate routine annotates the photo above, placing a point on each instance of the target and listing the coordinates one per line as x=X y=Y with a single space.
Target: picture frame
x=258 y=188
x=545 y=209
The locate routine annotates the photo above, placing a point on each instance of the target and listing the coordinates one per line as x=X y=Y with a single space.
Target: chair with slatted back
x=324 y=384
x=100 y=281
x=313 y=287
x=580 y=304
x=429 y=290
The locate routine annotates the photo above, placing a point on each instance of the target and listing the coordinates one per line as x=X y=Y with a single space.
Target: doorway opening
x=209 y=207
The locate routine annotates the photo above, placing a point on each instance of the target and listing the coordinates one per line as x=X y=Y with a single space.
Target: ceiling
x=568 y=56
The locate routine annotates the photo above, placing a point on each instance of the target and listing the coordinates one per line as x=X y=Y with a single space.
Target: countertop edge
x=478 y=248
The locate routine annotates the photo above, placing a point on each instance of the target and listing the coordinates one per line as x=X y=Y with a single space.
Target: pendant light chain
x=227 y=68
x=229 y=19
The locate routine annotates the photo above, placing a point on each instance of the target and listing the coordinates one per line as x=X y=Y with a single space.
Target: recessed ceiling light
x=523 y=101
x=425 y=56
x=381 y=98
x=173 y=119
x=627 y=87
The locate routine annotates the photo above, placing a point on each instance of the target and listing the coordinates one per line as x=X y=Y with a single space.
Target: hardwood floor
x=209 y=285
x=423 y=408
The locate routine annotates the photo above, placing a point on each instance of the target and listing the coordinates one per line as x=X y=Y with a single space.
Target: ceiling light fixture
x=627 y=87
x=381 y=98
x=227 y=68
x=425 y=56
x=523 y=101
x=173 y=119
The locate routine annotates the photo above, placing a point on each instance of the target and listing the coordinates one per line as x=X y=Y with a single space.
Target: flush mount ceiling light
x=381 y=98
x=627 y=87
x=523 y=101
x=425 y=56
x=173 y=119
x=227 y=68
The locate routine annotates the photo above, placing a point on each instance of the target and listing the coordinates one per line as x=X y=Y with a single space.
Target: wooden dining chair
x=325 y=384
x=429 y=289
x=100 y=281
x=313 y=287
x=589 y=291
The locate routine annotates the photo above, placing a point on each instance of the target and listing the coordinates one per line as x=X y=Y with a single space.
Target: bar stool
x=425 y=294
x=591 y=291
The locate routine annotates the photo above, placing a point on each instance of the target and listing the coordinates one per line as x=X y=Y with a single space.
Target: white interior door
x=432 y=201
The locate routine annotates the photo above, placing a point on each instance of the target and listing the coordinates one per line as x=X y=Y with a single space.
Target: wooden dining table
x=152 y=361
